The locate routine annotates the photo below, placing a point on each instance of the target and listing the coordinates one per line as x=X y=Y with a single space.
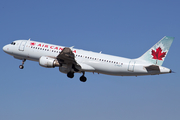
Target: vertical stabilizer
x=158 y=52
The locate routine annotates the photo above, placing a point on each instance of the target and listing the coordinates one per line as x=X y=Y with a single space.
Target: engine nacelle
x=48 y=62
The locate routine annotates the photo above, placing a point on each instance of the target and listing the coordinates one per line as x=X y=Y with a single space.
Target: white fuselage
x=90 y=61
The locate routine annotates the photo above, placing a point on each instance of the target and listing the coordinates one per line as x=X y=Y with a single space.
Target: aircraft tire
x=70 y=74
x=21 y=66
x=83 y=78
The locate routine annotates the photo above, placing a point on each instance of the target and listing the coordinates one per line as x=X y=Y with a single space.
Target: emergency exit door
x=22 y=45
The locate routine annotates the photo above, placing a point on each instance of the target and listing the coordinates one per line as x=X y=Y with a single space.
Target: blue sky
x=122 y=28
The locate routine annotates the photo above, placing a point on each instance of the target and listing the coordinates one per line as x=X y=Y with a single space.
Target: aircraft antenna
x=71 y=47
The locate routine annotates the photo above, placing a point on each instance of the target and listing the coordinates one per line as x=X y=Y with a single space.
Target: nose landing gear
x=22 y=66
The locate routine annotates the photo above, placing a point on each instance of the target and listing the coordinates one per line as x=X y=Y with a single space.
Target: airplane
x=71 y=60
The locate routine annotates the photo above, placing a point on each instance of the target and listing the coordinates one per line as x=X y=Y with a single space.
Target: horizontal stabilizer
x=152 y=68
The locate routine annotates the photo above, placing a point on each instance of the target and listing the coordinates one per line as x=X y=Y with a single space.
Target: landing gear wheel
x=70 y=74
x=83 y=78
x=21 y=66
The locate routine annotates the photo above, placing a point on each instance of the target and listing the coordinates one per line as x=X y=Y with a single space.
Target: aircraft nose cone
x=5 y=48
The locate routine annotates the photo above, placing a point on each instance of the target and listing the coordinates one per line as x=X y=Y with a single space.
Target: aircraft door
x=22 y=45
x=131 y=65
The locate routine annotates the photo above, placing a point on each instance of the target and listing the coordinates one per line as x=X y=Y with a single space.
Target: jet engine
x=48 y=62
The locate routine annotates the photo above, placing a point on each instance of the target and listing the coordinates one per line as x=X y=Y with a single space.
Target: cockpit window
x=13 y=43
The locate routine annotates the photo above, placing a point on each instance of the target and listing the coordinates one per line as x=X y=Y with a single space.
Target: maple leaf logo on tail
x=158 y=54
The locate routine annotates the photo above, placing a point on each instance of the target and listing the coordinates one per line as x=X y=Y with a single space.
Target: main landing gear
x=82 y=78
x=70 y=74
x=22 y=66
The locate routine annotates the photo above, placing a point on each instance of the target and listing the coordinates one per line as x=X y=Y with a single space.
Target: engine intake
x=48 y=62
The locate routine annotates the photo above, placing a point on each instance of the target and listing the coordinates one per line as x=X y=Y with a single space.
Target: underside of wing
x=67 y=61
x=68 y=64
x=66 y=56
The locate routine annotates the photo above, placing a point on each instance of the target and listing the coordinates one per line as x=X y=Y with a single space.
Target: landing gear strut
x=22 y=66
x=83 y=78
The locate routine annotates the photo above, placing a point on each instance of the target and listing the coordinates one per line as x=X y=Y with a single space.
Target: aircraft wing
x=66 y=56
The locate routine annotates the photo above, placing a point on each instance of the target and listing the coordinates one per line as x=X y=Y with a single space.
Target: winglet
x=158 y=52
